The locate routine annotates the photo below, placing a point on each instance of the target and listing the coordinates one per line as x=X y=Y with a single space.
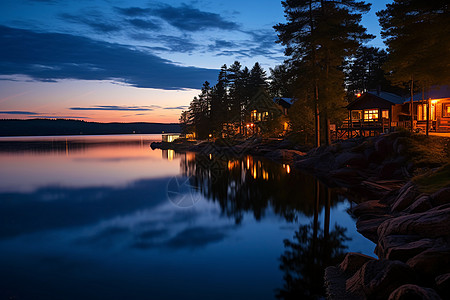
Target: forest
x=328 y=62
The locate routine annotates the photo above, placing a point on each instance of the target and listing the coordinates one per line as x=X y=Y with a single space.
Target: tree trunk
x=411 y=106
x=317 y=114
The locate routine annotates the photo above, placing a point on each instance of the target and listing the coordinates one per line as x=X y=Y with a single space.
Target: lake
x=106 y=217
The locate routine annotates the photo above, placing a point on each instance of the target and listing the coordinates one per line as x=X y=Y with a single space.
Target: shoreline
x=410 y=227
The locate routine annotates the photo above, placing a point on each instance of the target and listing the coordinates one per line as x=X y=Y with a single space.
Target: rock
x=336 y=276
x=441 y=197
x=404 y=199
x=391 y=241
x=346 y=175
x=431 y=262
x=400 y=145
x=377 y=279
x=350 y=159
x=353 y=262
x=390 y=170
x=421 y=204
x=369 y=228
x=411 y=291
x=369 y=207
x=373 y=157
x=432 y=223
x=384 y=147
x=443 y=284
x=407 y=251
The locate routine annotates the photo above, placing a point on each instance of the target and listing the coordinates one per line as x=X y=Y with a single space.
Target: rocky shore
x=410 y=227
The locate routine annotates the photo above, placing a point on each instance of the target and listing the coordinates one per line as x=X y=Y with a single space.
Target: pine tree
x=417 y=35
x=319 y=36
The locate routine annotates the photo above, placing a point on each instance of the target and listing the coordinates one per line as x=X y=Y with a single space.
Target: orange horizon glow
x=86 y=100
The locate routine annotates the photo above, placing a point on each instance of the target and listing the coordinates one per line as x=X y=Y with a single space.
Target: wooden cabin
x=437 y=99
x=372 y=113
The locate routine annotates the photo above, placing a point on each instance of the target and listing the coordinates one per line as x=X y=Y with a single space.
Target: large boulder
x=350 y=159
x=390 y=170
x=441 y=197
x=377 y=279
x=431 y=262
x=421 y=204
x=385 y=243
x=369 y=227
x=432 y=223
x=369 y=207
x=405 y=198
x=412 y=291
x=407 y=251
x=336 y=276
x=384 y=147
x=443 y=285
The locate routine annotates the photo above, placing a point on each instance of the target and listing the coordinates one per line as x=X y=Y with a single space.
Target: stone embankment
x=411 y=229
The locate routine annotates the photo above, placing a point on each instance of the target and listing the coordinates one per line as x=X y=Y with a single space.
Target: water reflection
x=102 y=219
x=251 y=184
x=305 y=259
x=255 y=185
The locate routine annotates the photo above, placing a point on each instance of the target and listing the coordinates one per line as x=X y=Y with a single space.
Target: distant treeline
x=36 y=127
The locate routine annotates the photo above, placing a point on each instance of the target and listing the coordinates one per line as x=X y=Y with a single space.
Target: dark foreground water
x=108 y=218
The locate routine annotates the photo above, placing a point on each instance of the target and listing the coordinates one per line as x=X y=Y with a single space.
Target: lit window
x=385 y=114
x=371 y=115
x=356 y=115
x=446 y=110
x=254 y=115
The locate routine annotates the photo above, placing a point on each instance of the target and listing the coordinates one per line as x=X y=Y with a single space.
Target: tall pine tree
x=319 y=35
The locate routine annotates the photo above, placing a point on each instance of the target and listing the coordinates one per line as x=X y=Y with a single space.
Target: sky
x=130 y=60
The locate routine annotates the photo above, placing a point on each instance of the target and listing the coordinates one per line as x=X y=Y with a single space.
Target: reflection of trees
x=306 y=258
x=251 y=184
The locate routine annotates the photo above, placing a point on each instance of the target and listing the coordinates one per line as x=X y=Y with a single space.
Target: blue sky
x=116 y=60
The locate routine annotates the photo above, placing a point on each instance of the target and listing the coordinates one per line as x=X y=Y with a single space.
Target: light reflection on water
x=93 y=218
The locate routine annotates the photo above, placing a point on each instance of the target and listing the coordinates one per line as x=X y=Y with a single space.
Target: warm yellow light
x=210 y=135
x=358 y=95
x=170 y=154
x=210 y=156
x=288 y=169
x=434 y=101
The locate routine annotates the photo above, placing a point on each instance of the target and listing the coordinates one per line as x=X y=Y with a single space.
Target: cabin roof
x=374 y=99
x=436 y=92
x=284 y=102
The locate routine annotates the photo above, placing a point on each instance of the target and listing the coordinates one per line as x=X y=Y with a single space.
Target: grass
x=431 y=158
x=433 y=181
x=428 y=152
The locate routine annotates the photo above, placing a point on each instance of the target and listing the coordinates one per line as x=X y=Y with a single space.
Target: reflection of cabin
x=373 y=113
x=438 y=100
x=170 y=137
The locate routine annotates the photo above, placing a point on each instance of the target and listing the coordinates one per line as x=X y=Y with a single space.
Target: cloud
x=41 y=210
x=133 y=11
x=93 y=20
x=219 y=45
x=117 y=108
x=171 y=43
x=74 y=57
x=143 y=24
x=177 y=107
x=184 y=17
x=15 y=112
x=199 y=236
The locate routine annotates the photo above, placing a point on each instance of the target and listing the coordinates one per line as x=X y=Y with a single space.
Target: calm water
x=108 y=218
